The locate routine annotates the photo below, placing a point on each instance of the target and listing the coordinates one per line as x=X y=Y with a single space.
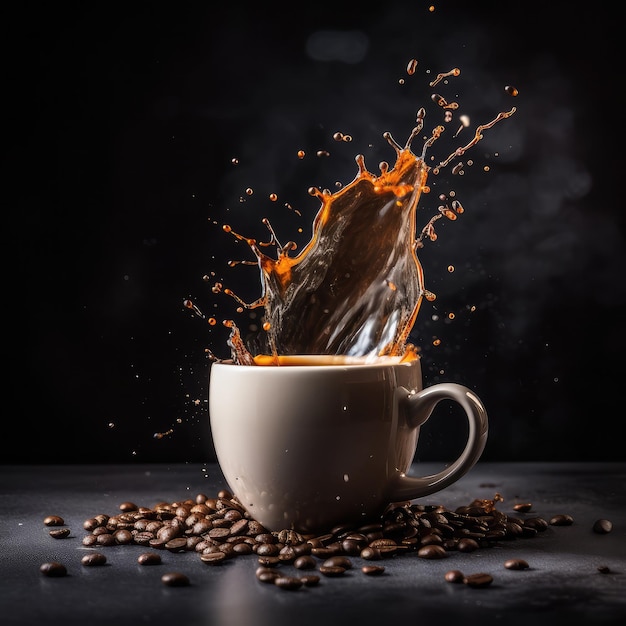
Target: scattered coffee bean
x=220 y=528
x=267 y=549
x=332 y=570
x=338 y=561
x=288 y=582
x=454 y=576
x=522 y=507
x=432 y=551
x=54 y=520
x=604 y=569
x=242 y=548
x=123 y=537
x=478 y=580
x=93 y=558
x=149 y=558
x=562 y=520
x=53 y=569
x=371 y=554
x=310 y=580
x=373 y=570
x=60 y=533
x=536 y=523
x=175 y=579
x=176 y=545
x=266 y=574
x=106 y=539
x=602 y=526
x=306 y=561
x=467 y=544
x=516 y=564
x=213 y=558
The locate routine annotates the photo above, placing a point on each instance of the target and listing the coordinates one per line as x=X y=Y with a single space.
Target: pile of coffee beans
x=219 y=528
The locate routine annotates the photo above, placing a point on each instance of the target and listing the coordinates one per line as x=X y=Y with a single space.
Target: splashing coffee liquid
x=356 y=288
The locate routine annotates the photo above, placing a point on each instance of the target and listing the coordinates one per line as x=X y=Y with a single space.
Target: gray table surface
x=563 y=581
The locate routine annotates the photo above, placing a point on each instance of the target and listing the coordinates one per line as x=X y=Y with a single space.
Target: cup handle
x=418 y=408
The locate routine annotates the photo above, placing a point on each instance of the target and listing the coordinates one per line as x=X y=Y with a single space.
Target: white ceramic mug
x=321 y=441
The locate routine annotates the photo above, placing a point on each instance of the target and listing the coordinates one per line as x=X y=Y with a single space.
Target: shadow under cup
x=311 y=444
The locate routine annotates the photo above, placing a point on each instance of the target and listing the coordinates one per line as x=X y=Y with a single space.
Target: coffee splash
x=356 y=288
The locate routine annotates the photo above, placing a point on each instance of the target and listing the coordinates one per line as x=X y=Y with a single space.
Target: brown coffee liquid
x=356 y=288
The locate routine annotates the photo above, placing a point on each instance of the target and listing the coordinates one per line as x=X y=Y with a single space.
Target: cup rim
x=322 y=360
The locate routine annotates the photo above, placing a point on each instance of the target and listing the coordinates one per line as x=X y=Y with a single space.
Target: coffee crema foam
x=325 y=359
x=356 y=288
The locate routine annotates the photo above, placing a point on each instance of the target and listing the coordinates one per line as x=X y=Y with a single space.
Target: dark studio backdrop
x=123 y=123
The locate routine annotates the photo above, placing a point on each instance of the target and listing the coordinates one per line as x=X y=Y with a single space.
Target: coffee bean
x=602 y=526
x=93 y=558
x=53 y=569
x=478 y=580
x=240 y=526
x=60 y=533
x=149 y=558
x=175 y=579
x=467 y=545
x=350 y=546
x=143 y=538
x=431 y=551
x=123 y=537
x=268 y=549
x=562 y=520
x=454 y=576
x=516 y=564
x=54 y=520
x=128 y=506
x=373 y=570
x=179 y=544
x=288 y=582
x=266 y=574
x=287 y=554
x=305 y=562
x=106 y=539
x=522 y=507
x=310 y=580
x=430 y=539
x=604 y=569
x=338 y=561
x=537 y=523
x=371 y=554
x=242 y=548
x=167 y=533
x=213 y=558
x=323 y=553
x=332 y=570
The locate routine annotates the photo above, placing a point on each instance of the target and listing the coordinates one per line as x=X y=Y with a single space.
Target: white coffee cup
x=321 y=441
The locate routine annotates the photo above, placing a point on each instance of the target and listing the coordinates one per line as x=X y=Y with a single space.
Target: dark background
x=122 y=123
